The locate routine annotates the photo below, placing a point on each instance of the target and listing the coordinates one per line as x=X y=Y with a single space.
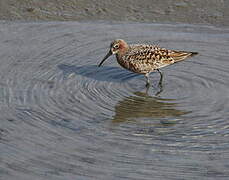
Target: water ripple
x=63 y=117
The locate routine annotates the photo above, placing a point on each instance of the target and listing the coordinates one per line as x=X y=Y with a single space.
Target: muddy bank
x=213 y=12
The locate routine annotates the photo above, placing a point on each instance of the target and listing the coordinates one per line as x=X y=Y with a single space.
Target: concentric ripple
x=63 y=117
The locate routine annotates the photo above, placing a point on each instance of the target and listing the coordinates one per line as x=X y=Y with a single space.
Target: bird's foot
x=147 y=85
x=160 y=84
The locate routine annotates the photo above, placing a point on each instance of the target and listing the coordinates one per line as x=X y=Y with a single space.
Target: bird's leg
x=161 y=78
x=147 y=89
x=160 y=83
x=160 y=91
x=147 y=79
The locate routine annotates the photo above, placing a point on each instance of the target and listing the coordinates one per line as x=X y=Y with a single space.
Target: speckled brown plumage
x=142 y=58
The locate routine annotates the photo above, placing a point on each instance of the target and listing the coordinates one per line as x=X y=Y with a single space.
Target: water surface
x=62 y=117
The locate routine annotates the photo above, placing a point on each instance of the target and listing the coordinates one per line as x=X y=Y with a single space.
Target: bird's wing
x=149 y=56
x=180 y=55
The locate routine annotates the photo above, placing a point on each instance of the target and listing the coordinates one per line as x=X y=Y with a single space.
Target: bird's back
x=141 y=58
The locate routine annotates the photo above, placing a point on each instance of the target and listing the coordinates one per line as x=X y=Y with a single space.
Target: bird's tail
x=193 y=53
x=181 y=55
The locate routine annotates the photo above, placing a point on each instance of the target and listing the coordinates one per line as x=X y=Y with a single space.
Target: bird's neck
x=123 y=50
x=120 y=56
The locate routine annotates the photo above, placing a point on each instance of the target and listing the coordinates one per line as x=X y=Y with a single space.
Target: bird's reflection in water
x=142 y=106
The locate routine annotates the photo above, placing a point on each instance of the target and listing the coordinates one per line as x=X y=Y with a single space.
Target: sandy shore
x=213 y=12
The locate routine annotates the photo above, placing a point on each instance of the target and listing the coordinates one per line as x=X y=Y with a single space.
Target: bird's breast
x=123 y=62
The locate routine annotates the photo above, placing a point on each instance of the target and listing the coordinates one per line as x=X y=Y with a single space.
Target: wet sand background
x=215 y=12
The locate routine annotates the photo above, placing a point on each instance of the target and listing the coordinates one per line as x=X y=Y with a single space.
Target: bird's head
x=118 y=46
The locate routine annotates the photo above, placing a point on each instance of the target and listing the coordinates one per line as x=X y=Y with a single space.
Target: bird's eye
x=116 y=46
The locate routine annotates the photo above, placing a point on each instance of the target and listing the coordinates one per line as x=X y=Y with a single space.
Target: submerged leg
x=160 y=83
x=147 y=79
x=161 y=78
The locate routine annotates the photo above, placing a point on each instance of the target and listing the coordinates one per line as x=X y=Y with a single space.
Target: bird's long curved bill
x=108 y=54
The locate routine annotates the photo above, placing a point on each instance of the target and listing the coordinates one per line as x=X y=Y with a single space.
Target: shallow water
x=62 y=117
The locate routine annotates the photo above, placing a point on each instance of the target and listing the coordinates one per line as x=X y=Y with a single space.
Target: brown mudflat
x=213 y=12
